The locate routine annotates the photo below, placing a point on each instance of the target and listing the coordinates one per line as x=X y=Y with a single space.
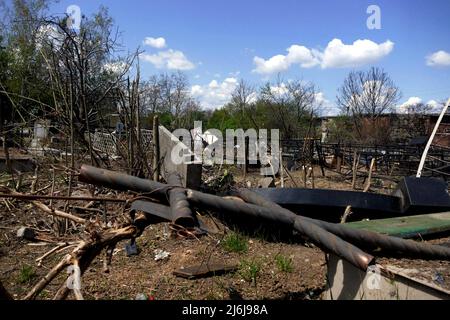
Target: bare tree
x=83 y=71
x=413 y=119
x=365 y=96
x=168 y=93
x=303 y=97
x=292 y=104
x=241 y=101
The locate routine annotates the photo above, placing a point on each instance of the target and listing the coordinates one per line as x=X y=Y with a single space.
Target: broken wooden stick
x=289 y=175
x=347 y=213
x=48 y=253
x=58 y=213
x=356 y=158
x=372 y=164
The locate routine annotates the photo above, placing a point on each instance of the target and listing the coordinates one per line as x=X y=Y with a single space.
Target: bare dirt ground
x=132 y=275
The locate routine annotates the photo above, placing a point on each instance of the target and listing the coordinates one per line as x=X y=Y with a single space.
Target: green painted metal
x=407 y=227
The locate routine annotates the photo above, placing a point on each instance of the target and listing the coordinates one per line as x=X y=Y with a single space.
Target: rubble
x=161 y=254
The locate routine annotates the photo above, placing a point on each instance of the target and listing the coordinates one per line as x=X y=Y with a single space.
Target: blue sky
x=217 y=42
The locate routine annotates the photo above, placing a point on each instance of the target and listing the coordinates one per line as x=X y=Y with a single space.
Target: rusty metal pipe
x=362 y=238
x=320 y=237
x=121 y=181
x=179 y=206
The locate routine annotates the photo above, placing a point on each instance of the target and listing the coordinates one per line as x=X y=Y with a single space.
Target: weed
x=26 y=274
x=284 y=263
x=234 y=242
x=249 y=270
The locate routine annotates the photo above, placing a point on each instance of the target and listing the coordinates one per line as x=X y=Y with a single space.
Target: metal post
x=430 y=140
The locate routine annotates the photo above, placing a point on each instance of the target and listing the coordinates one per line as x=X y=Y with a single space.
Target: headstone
x=191 y=173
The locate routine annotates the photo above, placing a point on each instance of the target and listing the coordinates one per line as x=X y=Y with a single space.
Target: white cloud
x=404 y=107
x=438 y=59
x=275 y=64
x=433 y=106
x=213 y=84
x=325 y=107
x=215 y=94
x=158 y=43
x=303 y=56
x=169 y=59
x=361 y=52
x=279 y=90
x=336 y=55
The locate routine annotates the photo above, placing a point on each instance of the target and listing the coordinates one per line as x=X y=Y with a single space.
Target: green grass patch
x=234 y=242
x=284 y=263
x=249 y=270
x=26 y=274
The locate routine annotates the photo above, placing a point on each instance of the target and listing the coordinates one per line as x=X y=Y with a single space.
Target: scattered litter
x=131 y=249
x=161 y=254
x=26 y=233
x=116 y=251
x=438 y=277
x=141 y=296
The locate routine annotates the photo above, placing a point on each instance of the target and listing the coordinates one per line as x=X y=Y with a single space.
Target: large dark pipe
x=179 y=206
x=366 y=239
x=121 y=181
x=317 y=235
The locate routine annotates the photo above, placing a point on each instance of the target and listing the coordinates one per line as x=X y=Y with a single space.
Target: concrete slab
x=191 y=174
x=380 y=282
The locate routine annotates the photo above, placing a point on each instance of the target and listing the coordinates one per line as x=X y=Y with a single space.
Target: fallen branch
x=55 y=249
x=82 y=256
x=48 y=278
x=58 y=213
x=45 y=197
